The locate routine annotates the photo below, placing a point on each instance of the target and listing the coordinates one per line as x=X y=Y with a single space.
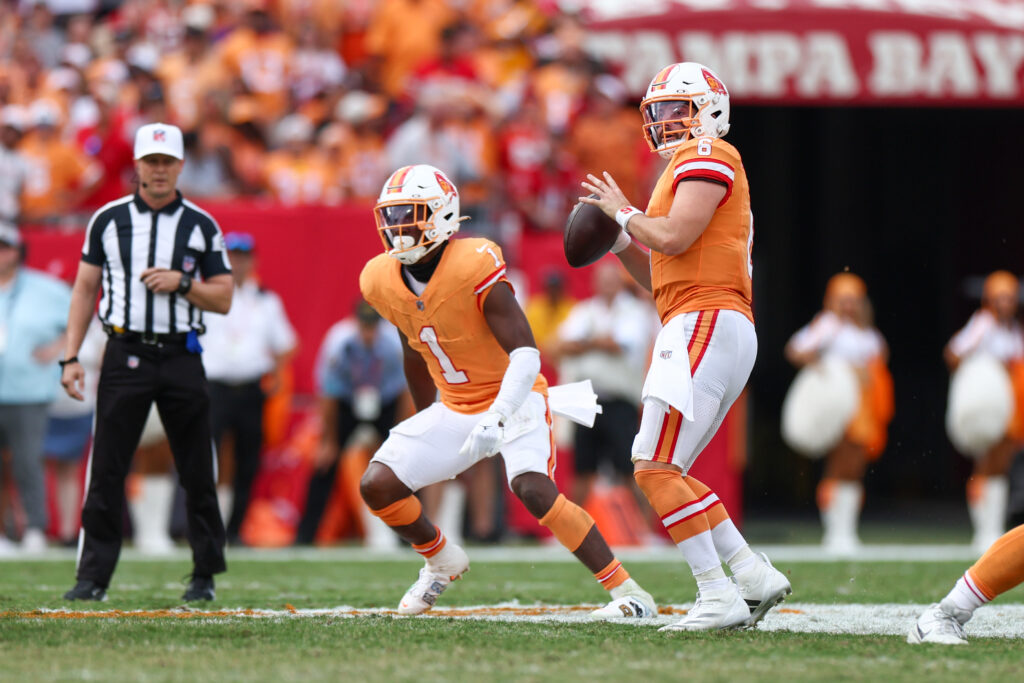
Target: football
x=589 y=234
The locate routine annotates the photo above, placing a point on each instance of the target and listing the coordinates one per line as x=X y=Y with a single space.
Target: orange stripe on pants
x=700 y=338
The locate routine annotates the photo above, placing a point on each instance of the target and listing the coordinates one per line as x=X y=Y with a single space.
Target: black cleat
x=87 y=590
x=199 y=588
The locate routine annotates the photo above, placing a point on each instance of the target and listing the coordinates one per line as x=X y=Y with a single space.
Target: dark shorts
x=610 y=440
x=67 y=437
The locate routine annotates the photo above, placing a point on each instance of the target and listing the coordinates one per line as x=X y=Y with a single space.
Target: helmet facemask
x=669 y=121
x=407 y=229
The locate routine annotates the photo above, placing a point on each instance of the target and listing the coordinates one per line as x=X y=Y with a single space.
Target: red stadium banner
x=831 y=52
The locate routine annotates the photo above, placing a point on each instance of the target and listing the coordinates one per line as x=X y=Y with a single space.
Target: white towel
x=668 y=379
x=576 y=401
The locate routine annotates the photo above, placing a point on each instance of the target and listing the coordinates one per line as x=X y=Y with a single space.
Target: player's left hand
x=485 y=439
x=609 y=197
x=161 y=280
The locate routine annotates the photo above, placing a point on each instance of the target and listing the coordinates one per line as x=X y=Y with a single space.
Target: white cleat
x=941 y=623
x=633 y=603
x=714 y=611
x=440 y=570
x=762 y=587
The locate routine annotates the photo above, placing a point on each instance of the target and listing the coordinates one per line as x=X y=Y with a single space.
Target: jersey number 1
x=429 y=337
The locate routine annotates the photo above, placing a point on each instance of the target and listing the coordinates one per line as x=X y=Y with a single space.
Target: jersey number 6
x=428 y=335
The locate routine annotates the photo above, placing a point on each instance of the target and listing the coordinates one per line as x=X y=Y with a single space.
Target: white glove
x=486 y=437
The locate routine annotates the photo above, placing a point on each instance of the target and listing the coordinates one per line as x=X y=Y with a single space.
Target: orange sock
x=401 y=513
x=432 y=547
x=612 y=576
x=1002 y=566
x=684 y=515
x=716 y=513
x=568 y=522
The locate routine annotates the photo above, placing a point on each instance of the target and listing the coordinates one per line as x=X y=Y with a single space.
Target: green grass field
x=385 y=648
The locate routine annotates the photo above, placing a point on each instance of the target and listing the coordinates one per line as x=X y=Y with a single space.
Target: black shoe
x=199 y=588
x=87 y=590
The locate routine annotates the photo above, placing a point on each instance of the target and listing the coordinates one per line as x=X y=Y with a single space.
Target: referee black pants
x=238 y=408
x=134 y=375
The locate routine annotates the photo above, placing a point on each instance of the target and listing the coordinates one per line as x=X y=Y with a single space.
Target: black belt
x=152 y=339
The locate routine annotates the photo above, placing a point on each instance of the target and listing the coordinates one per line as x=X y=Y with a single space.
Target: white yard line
x=991 y=621
x=536 y=553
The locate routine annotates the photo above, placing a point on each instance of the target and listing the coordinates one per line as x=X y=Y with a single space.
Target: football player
x=699 y=229
x=994 y=330
x=844 y=330
x=465 y=337
x=997 y=571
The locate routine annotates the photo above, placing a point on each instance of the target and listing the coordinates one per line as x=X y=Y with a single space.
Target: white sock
x=966 y=595
x=841 y=516
x=743 y=560
x=627 y=587
x=700 y=554
x=712 y=579
x=728 y=540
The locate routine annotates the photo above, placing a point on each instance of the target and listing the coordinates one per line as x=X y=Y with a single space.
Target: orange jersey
x=714 y=273
x=446 y=324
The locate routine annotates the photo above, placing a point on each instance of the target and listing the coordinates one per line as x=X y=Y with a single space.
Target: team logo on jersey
x=714 y=85
x=133 y=362
x=661 y=80
x=188 y=263
x=446 y=187
x=666 y=354
x=397 y=180
x=159 y=135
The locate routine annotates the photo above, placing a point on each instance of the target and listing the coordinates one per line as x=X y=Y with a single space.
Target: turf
x=383 y=648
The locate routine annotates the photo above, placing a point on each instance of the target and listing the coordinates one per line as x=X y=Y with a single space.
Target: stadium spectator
x=547 y=310
x=14 y=168
x=190 y=72
x=33 y=308
x=206 y=165
x=993 y=330
x=67 y=434
x=360 y=381
x=60 y=174
x=259 y=58
x=245 y=353
x=606 y=339
x=844 y=331
x=295 y=173
x=363 y=164
x=401 y=35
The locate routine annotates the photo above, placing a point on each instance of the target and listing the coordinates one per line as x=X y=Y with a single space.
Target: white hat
x=9 y=233
x=159 y=138
x=14 y=116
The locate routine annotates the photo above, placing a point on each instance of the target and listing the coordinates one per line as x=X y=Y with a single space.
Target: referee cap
x=159 y=138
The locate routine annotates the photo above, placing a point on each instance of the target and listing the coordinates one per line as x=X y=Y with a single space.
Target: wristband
x=622 y=242
x=185 y=285
x=69 y=361
x=623 y=215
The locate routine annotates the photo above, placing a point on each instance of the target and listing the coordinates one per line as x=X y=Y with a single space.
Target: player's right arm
x=83 y=302
x=417 y=374
x=693 y=206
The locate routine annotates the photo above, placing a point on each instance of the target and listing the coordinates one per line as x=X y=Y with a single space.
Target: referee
x=160 y=261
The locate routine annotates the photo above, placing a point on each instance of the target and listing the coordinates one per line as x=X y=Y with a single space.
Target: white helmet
x=684 y=101
x=417 y=210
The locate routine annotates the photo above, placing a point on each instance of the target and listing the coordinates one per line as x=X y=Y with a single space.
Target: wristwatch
x=185 y=284
x=69 y=361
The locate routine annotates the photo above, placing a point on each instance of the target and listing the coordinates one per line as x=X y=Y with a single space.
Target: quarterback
x=465 y=338
x=699 y=229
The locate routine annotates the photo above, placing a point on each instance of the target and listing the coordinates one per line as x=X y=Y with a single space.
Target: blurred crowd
x=312 y=102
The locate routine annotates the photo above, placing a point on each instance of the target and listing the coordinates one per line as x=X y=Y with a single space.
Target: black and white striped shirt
x=126 y=236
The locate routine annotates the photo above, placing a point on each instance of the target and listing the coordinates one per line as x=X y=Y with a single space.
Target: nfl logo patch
x=188 y=263
x=665 y=354
x=133 y=362
x=159 y=136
